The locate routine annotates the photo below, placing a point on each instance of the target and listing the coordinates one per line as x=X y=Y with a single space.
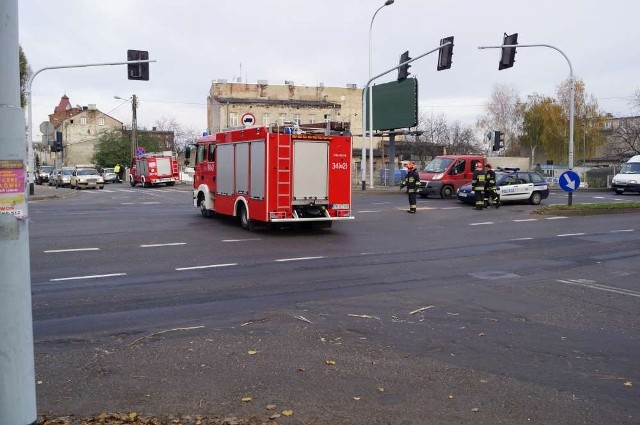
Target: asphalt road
x=448 y=316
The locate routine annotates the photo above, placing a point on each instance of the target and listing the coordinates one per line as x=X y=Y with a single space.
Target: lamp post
x=364 y=152
x=134 y=123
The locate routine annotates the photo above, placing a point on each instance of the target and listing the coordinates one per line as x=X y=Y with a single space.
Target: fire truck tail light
x=343 y=213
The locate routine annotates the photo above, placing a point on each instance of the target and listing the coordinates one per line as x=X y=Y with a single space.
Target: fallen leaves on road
x=363 y=316
x=421 y=309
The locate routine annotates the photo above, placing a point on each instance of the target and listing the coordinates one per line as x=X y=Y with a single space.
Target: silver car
x=109 y=175
x=63 y=178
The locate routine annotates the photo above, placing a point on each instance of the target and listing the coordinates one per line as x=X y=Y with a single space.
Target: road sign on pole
x=569 y=181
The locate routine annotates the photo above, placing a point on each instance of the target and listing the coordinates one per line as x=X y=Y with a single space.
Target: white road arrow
x=571 y=184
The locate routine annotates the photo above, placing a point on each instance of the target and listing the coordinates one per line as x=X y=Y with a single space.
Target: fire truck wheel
x=203 y=209
x=171 y=183
x=245 y=223
x=132 y=182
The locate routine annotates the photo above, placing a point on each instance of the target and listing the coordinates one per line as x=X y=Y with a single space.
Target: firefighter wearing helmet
x=412 y=183
x=478 y=184
x=492 y=194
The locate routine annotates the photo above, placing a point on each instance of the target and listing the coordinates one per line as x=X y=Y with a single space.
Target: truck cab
x=445 y=174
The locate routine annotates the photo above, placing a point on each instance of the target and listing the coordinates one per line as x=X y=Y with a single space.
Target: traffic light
x=403 y=71
x=498 y=140
x=445 y=54
x=508 y=55
x=138 y=71
x=57 y=144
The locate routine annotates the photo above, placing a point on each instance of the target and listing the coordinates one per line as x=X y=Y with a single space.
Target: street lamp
x=134 y=123
x=364 y=153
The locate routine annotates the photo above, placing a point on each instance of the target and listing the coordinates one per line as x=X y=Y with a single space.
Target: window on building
x=83 y=120
x=283 y=118
x=233 y=119
x=312 y=119
x=327 y=117
x=265 y=119
x=101 y=121
x=298 y=119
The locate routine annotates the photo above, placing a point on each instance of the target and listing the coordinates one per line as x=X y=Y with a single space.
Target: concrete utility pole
x=134 y=126
x=17 y=371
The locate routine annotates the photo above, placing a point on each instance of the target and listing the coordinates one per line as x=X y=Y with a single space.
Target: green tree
x=25 y=74
x=112 y=148
x=543 y=124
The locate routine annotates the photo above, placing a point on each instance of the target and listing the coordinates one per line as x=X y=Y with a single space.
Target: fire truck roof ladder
x=283 y=179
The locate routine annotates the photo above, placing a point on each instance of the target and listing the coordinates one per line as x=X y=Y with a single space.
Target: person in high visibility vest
x=478 y=184
x=492 y=195
x=116 y=170
x=412 y=183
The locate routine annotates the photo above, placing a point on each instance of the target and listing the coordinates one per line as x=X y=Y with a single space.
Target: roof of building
x=278 y=102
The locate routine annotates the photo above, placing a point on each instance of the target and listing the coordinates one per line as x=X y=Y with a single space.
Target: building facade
x=269 y=104
x=81 y=127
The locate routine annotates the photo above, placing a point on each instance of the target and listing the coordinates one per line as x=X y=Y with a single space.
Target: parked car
x=64 y=176
x=109 y=176
x=513 y=186
x=85 y=178
x=43 y=173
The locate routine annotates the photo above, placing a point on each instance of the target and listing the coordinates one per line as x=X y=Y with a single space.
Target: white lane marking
x=570 y=234
x=95 y=276
x=622 y=230
x=559 y=217
x=71 y=250
x=593 y=285
x=522 y=239
x=211 y=266
x=525 y=220
x=450 y=208
x=481 y=224
x=240 y=240
x=380 y=203
x=162 y=244
x=369 y=211
x=150 y=203
x=282 y=260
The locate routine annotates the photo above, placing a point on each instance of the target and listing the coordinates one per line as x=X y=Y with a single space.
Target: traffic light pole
x=571 y=96
x=29 y=108
x=368 y=92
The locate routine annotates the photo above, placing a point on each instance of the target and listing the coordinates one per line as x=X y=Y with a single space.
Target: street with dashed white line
x=523 y=316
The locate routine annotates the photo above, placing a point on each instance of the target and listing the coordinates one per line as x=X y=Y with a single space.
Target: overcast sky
x=196 y=42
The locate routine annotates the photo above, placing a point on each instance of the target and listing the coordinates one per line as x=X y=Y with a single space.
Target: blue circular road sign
x=569 y=181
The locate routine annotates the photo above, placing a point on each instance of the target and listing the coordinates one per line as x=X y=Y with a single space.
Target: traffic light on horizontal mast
x=138 y=71
x=403 y=71
x=445 y=54
x=508 y=54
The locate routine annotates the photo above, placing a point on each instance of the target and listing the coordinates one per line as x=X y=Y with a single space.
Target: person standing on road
x=478 y=185
x=411 y=182
x=116 y=170
x=492 y=195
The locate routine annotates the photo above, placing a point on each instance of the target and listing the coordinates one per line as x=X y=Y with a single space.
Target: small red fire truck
x=273 y=175
x=153 y=168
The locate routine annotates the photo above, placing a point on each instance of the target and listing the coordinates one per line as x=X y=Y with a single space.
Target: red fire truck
x=273 y=175
x=154 y=168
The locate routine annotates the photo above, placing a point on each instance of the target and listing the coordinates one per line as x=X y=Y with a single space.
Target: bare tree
x=503 y=115
x=182 y=135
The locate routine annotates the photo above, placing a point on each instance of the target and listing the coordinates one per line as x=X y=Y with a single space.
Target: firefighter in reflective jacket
x=478 y=184
x=492 y=195
x=411 y=182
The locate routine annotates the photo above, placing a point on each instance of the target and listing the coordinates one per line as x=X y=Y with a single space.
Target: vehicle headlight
x=438 y=176
x=633 y=181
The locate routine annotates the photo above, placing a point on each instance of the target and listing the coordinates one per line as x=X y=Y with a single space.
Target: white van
x=628 y=179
